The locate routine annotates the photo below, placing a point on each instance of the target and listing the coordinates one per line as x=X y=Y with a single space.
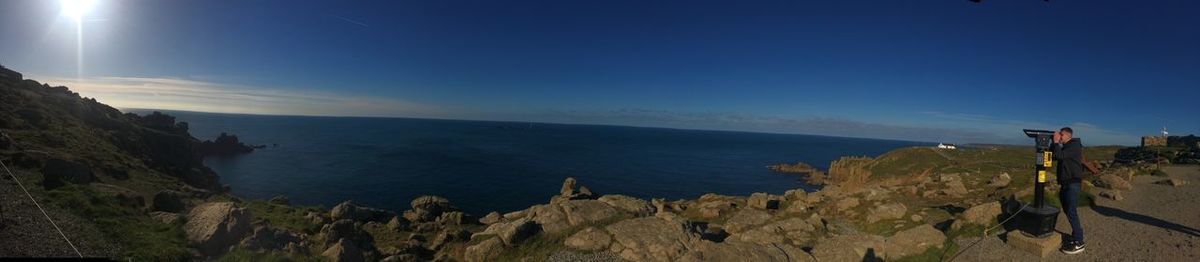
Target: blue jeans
x=1069 y=198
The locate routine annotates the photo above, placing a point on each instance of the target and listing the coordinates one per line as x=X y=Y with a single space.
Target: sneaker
x=1073 y=247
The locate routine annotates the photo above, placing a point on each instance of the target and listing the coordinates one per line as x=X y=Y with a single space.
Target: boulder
x=913 y=241
x=568 y=187
x=516 y=231
x=855 y=247
x=59 y=172
x=213 y=227
x=650 y=239
x=167 y=201
x=343 y=251
x=846 y=204
x=739 y=251
x=433 y=205
x=451 y=218
x=265 y=238
x=589 y=239
x=280 y=200
x=762 y=201
x=795 y=194
x=796 y=206
x=982 y=214
x=746 y=219
x=350 y=210
x=886 y=212
x=491 y=218
x=486 y=250
x=550 y=217
x=344 y=229
x=955 y=188
x=581 y=212
x=398 y=223
x=633 y=205
x=1172 y=182
x=1000 y=180
x=1111 y=181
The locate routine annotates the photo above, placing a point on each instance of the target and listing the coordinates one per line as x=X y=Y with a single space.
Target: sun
x=76 y=8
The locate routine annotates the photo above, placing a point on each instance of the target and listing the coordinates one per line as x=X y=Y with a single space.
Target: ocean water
x=484 y=166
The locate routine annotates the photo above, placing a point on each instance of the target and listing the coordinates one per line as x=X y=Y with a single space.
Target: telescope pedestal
x=1037 y=221
x=1041 y=247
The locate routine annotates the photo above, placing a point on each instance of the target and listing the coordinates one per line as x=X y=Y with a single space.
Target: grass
x=140 y=237
x=282 y=216
x=544 y=244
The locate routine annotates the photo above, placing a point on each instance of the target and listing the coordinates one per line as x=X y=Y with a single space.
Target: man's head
x=1067 y=133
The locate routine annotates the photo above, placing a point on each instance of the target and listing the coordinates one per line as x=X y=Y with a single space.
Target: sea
x=484 y=166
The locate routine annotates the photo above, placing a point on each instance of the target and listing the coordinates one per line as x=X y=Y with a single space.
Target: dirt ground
x=1153 y=223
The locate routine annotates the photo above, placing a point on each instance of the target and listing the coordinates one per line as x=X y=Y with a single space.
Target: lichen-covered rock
x=846 y=204
x=850 y=248
x=1172 y=182
x=746 y=219
x=763 y=201
x=350 y=210
x=581 y=212
x=633 y=205
x=982 y=214
x=1000 y=180
x=343 y=251
x=650 y=239
x=886 y=212
x=213 y=227
x=589 y=239
x=273 y=239
x=491 y=218
x=550 y=217
x=913 y=241
x=486 y=250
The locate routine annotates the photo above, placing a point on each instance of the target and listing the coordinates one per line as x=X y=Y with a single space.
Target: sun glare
x=76 y=8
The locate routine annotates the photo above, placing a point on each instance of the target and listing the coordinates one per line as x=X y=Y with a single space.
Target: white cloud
x=190 y=95
x=1090 y=133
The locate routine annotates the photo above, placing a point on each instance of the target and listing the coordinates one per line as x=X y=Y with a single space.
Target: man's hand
x=1057 y=137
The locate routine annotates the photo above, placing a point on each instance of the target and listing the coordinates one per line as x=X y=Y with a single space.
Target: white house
x=946 y=146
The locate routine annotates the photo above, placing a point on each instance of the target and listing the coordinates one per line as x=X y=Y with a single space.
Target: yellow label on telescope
x=1046 y=158
x=1042 y=176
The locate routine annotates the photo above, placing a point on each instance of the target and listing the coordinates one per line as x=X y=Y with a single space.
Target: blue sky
x=919 y=70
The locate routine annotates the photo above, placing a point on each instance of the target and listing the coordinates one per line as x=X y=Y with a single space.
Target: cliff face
x=44 y=123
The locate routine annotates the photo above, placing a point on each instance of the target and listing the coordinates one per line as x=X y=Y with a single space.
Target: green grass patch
x=285 y=217
x=140 y=237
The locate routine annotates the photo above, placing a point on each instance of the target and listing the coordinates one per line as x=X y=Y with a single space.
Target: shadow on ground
x=1144 y=219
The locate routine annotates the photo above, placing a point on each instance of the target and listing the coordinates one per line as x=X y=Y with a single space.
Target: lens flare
x=76 y=8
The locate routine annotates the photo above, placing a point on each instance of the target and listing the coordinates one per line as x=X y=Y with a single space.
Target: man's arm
x=1072 y=153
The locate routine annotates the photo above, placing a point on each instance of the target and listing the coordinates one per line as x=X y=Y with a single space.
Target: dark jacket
x=1070 y=160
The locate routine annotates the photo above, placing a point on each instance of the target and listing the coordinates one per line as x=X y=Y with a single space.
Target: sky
x=952 y=71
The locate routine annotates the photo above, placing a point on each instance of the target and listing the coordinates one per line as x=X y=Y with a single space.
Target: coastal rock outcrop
x=650 y=239
x=212 y=227
x=224 y=145
x=589 y=239
x=635 y=206
x=350 y=210
x=343 y=251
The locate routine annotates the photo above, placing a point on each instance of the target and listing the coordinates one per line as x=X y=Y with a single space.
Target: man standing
x=1069 y=153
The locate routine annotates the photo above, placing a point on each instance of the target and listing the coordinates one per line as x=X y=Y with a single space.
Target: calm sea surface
x=486 y=166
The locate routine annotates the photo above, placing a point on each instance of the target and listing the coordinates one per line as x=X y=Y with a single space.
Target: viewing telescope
x=1037 y=219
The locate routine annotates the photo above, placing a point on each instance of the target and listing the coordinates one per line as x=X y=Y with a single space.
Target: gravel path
x=1153 y=223
x=24 y=231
